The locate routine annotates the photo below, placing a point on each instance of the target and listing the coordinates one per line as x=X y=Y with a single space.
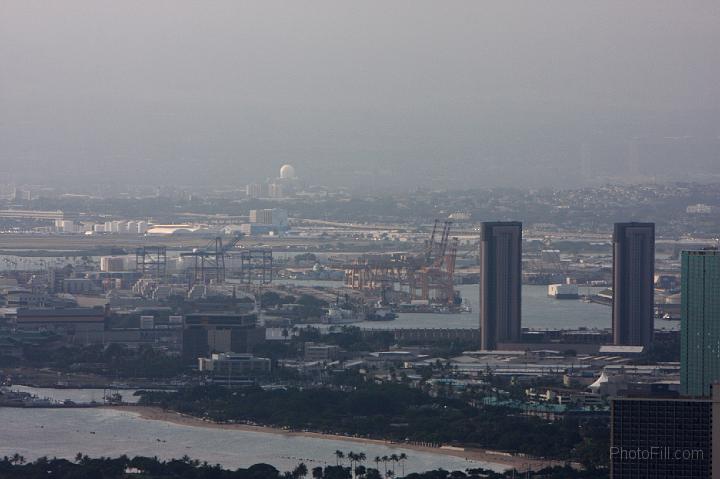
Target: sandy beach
x=500 y=458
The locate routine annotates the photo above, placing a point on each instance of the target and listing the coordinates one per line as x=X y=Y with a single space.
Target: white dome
x=287 y=172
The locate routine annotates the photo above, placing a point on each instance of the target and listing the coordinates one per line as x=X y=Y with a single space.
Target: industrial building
x=112 y=263
x=207 y=333
x=17 y=296
x=274 y=218
x=65 y=321
x=321 y=352
x=78 y=285
x=56 y=276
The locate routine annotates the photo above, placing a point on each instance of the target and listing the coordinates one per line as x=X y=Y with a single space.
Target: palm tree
x=359 y=459
x=339 y=456
x=300 y=471
x=385 y=459
x=352 y=457
x=393 y=458
x=403 y=457
x=377 y=462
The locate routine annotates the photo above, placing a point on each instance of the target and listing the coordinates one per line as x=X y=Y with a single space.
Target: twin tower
x=501 y=284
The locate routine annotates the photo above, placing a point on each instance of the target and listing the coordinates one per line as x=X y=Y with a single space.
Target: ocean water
x=539 y=311
x=103 y=432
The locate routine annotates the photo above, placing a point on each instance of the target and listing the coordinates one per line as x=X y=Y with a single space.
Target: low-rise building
x=207 y=333
x=78 y=285
x=18 y=297
x=321 y=352
x=565 y=396
x=112 y=263
x=231 y=367
x=67 y=321
x=10 y=348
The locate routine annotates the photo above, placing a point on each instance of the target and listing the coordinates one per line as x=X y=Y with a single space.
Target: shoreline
x=154 y=413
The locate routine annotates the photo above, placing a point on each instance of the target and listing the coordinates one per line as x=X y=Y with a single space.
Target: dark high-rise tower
x=662 y=438
x=633 y=279
x=500 y=283
x=700 y=330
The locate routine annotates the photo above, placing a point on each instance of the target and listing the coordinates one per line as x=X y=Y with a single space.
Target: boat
x=10 y=398
x=563 y=291
x=426 y=307
x=338 y=315
x=381 y=314
x=34 y=401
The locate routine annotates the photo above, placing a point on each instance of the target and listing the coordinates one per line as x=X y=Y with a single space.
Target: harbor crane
x=209 y=262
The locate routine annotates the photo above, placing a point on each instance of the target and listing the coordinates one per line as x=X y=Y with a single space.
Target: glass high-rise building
x=500 y=283
x=700 y=322
x=633 y=284
x=655 y=438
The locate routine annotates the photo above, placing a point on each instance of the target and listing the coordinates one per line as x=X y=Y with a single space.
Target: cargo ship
x=563 y=291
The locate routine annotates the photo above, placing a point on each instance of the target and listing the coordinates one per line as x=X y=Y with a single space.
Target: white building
x=275 y=217
x=254 y=190
x=112 y=263
x=66 y=226
x=233 y=366
x=699 y=209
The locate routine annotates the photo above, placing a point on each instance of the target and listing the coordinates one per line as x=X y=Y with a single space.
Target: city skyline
x=270 y=239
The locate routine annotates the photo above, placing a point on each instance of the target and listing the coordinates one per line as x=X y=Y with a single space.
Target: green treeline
x=84 y=467
x=395 y=412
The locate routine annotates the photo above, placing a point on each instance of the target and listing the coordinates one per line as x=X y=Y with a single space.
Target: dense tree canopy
x=84 y=467
x=397 y=412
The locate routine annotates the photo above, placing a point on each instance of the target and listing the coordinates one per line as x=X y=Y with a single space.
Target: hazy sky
x=411 y=92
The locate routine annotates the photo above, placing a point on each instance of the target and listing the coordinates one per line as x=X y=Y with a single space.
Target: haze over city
x=412 y=239
x=399 y=94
